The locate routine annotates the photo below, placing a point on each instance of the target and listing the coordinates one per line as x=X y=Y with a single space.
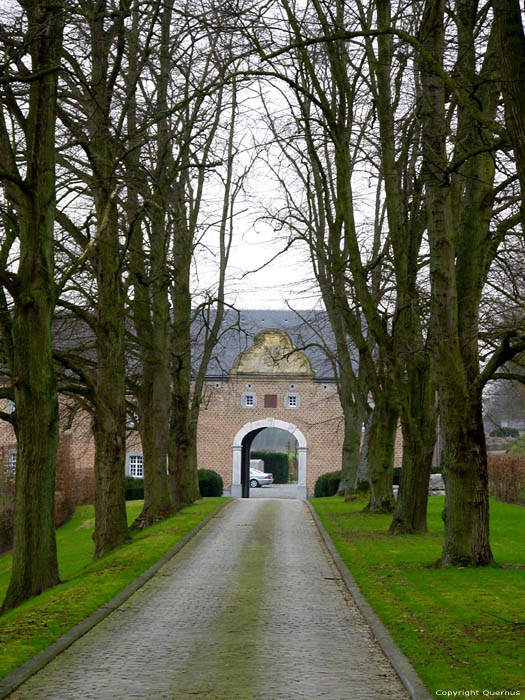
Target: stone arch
x=257 y=426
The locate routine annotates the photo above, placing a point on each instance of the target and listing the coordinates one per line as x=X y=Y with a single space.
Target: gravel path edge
x=404 y=669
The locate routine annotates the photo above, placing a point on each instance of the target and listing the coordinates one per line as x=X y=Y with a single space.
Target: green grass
x=86 y=584
x=517 y=447
x=462 y=628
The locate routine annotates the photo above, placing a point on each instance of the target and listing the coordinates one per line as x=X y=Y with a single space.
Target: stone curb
x=15 y=679
x=399 y=661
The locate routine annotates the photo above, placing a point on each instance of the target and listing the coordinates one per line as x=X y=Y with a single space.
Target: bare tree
x=28 y=294
x=460 y=197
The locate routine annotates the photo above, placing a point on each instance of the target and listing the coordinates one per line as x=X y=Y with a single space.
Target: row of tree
x=421 y=103
x=121 y=128
x=119 y=161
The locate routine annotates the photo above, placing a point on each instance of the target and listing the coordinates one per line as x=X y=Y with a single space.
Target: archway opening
x=285 y=441
x=247 y=442
x=276 y=451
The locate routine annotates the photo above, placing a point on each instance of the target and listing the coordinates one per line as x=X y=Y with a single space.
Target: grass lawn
x=86 y=584
x=462 y=628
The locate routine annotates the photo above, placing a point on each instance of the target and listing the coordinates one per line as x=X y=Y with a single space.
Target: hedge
x=275 y=463
x=134 y=489
x=210 y=483
x=507 y=477
x=327 y=484
x=504 y=432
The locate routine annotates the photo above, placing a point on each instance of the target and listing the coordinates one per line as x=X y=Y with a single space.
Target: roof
x=309 y=332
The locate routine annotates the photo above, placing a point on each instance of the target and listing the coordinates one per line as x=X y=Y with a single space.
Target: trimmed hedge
x=327 y=484
x=504 y=432
x=134 y=489
x=275 y=463
x=507 y=477
x=210 y=483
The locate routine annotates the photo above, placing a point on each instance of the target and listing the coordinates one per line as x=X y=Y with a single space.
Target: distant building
x=270 y=369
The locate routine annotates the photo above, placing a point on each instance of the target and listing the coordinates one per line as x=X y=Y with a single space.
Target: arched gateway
x=270 y=385
x=241 y=454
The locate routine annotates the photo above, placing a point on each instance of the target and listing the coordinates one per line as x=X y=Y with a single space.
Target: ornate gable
x=272 y=352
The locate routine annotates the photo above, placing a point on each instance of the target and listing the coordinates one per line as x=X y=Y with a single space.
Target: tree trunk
x=419 y=437
x=410 y=516
x=184 y=482
x=464 y=464
x=109 y=422
x=149 y=273
x=35 y=566
x=362 y=467
x=459 y=261
x=111 y=527
x=381 y=456
x=153 y=426
x=351 y=447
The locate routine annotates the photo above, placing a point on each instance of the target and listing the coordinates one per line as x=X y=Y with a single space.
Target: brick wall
x=318 y=417
x=65 y=480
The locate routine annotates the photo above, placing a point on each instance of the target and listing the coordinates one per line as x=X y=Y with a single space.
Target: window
x=270 y=401
x=11 y=463
x=291 y=401
x=135 y=465
x=11 y=406
x=249 y=400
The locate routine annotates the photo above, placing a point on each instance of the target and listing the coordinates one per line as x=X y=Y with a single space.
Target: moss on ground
x=87 y=584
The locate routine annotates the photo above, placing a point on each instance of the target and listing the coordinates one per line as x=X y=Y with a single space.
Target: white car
x=258 y=478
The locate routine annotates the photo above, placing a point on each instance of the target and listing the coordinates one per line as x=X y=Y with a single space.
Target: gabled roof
x=308 y=331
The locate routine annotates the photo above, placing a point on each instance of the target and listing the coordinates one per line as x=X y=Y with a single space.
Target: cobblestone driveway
x=251 y=608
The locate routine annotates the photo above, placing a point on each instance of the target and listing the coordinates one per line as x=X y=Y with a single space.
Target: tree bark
x=511 y=39
x=184 y=482
x=109 y=421
x=464 y=463
x=460 y=256
x=353 y=421
x=381 y=446
x=419 y=437
x=149 y=273
x=406 y=349
x=35 y=565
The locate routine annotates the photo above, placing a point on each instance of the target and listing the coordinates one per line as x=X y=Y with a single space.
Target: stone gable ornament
x=272 y=352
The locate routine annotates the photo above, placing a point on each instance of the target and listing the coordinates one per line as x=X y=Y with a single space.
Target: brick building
x=261 y=376
x=271 y=385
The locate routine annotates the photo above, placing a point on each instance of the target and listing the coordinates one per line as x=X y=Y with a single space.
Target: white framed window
x=135 y=465
x=291 y=401
x=249 y=399
x=11 y=463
